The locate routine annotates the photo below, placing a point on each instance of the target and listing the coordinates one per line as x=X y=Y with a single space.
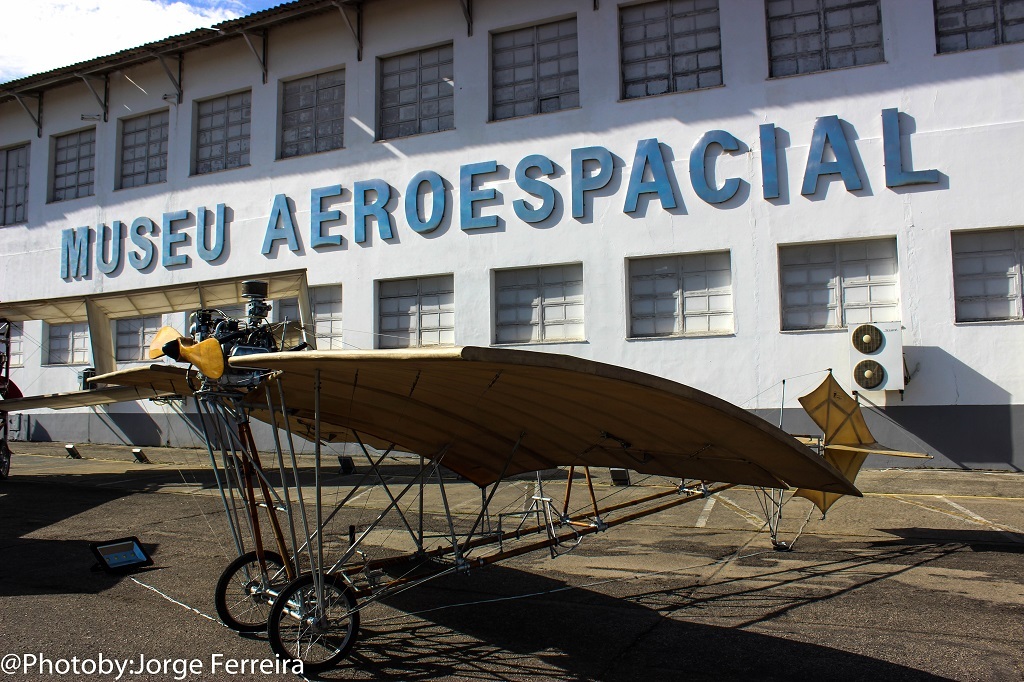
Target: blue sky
x=39 y=35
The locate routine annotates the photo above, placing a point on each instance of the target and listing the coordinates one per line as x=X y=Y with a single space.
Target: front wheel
x=244 y=593
x=317 y=633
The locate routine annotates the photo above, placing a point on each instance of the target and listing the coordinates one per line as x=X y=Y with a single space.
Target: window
x=805 y=36
x=313 y=114
x=325 y=306
x=534 y=70
x=827 y=286
x=16 y=350
x=68 y=344
x=144 y=149
x=13 y=184
x=417 y=93
x=968 y=24
x=327 y=316
x=222 y=133
x=417 y=312
x=677 y=295
x=73 y=161
x=669 y=47
x=539 y=304
x=987 y=274
x=133 y=337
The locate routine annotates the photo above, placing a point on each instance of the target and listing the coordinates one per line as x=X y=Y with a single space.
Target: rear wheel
x=5 y=459
x=318 y=633
x=244 y=594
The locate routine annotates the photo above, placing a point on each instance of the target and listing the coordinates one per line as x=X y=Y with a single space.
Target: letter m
x=74 y=252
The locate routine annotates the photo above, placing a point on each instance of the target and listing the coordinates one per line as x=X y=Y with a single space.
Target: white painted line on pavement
x=702 y=520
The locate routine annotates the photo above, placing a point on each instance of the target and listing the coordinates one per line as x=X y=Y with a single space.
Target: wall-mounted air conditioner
x=876 y=356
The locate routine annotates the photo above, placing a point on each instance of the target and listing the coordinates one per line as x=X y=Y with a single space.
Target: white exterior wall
x=962 y=111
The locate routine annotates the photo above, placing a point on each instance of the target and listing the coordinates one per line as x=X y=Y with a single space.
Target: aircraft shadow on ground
x=481 y=626
x=38 y=566
x=978 y=540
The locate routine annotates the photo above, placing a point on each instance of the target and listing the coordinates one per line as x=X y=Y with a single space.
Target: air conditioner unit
x=876 y=356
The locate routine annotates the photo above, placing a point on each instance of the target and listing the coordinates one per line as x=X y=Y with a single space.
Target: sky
x=39 y=35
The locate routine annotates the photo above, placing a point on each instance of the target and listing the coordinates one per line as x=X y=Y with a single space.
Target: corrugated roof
x=172 y=45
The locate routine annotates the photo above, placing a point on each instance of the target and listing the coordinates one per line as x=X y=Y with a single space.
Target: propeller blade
x=162 y=337
x=206 y=355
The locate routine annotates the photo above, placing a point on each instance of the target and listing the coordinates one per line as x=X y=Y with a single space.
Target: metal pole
x=298 y=485
x=318 y=578
x=284 y=481
x=216 y=475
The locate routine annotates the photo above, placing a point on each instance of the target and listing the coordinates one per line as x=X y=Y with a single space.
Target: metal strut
x=103 y=101
x=261 y=56
x=356 y=29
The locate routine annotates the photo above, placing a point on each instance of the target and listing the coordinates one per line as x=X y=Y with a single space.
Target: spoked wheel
x=244 y=595
x=318 y=634
x=5 y=460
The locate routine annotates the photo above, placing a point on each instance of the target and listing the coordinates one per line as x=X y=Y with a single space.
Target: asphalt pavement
x=921 y=579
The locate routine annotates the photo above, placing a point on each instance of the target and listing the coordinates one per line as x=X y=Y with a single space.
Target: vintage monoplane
x=487 y=415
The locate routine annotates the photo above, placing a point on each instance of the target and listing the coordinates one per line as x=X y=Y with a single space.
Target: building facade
x=713 y=191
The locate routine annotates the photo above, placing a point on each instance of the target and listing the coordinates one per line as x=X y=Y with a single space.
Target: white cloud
x=39 y=35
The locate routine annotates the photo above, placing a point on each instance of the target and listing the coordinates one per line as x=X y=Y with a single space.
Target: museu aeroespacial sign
x=426 y=199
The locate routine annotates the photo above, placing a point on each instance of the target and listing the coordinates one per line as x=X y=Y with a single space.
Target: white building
x=707 y=190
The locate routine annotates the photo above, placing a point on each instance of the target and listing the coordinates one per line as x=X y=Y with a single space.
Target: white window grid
x=681 y=295
x=326 y=309
x=830 y=285
x=222 y=132
x=73 y=162
x=13 y=184
x=16 y=349
x=313 y=114
x=133 y=336
x=987 y=277
x=535 y=70
x=970 y=24
x=537 y=305
x=669 y=47
x=805 y=36
x=68 y=344
x=144 y=149
x=417 y=312
x=417 y=92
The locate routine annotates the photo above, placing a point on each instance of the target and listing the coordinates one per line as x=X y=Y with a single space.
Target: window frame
x=672 y=54
x=537 y=100
x=5 y=173
x=836 y=283
x=540 y=304
x=383 y=331
x=283 y=113
x=55 y=164
x=1016 y=274
x=679 y=295
x=164 y=142
x=145 y=336
x=825 y=50
x=380 y=91
x=16 y=349
x=196 y=132
x=999 y=24
x=76 y=330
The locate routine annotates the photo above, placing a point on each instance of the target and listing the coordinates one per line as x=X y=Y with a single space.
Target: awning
x=173 y=298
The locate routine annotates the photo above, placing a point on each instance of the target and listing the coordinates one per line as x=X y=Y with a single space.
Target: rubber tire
x=5 y=460
x=228 y=577
x=341 y=589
